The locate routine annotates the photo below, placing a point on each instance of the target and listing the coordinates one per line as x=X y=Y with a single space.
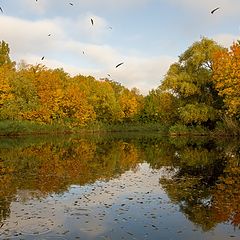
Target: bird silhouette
x=92 y=21
x=42 y=58
x=49 y=34
x=215 y=9
x=71 y=4
x=119 y=64
x=1 y=10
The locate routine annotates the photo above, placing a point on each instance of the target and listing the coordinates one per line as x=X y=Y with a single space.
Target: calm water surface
x=119 y=187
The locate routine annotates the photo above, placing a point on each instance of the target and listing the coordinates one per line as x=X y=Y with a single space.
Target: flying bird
x=49 y=34
x=215 y=9
x=119 y=64
x=71 y=4
x=1 y=10
x=92 y=21
x=42 y=58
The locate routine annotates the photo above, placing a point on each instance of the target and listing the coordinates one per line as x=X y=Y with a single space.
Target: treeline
x=45 y=95
x=200 y=91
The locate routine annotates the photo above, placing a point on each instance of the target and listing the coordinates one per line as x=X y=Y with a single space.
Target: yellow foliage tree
x=129 y=103
x=5 y=88
x=76 y=106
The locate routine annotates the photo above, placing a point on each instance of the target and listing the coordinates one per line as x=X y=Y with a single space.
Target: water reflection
x=131 y=187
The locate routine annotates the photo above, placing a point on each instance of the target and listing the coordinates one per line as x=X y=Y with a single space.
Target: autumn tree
x=101 y=96
x=130 y=104
x=75 y=107
x=190 y=80
x=226 y=75
x=160 y=106
x=6 y=74
x=5 y=86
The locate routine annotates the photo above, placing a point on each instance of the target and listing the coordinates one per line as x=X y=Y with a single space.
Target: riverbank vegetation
x=198 y=95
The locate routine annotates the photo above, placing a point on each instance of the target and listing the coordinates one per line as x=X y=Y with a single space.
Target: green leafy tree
x=191 y=81
x=160 y=106
x=4 y=55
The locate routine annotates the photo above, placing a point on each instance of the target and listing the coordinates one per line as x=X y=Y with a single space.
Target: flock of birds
x=92 y=22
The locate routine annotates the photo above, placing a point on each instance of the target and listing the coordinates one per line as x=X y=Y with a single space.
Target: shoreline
x=24 y=128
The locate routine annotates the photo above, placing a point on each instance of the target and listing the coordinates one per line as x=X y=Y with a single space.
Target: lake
x=132 y=186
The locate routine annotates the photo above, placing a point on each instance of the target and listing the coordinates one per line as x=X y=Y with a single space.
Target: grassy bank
x=225 y=128
x=15 y=128
x=12 y=128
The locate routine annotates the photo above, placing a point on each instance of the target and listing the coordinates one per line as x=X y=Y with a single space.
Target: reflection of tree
x=158 y=152
x=206 y=184
x=4 y=209
x=6 y=193
x=226 y=197
x=52 y=167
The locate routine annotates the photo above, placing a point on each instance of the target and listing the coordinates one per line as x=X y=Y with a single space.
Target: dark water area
x=119 y=187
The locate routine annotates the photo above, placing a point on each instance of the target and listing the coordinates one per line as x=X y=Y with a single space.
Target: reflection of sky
x=132 y=206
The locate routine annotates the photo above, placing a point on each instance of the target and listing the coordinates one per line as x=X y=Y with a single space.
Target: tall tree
x=190 y=80
x=4 y=54
x=6 y=75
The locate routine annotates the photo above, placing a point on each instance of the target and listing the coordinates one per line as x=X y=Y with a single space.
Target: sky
x=147 y=35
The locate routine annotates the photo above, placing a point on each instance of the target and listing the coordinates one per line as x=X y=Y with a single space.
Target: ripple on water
x=36 y=226
x=50 y=238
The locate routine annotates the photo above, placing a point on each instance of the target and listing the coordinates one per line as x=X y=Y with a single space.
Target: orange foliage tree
x=226 y=74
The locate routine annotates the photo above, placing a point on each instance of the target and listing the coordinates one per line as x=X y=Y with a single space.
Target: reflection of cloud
x=88 y=210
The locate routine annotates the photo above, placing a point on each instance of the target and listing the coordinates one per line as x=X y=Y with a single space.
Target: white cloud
x=26 y=36
x=29 y=41
x=95 y=33
x=143 y=73
x=114 y=3
x=38 y=7
x=225 y=40
x=42 y=6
